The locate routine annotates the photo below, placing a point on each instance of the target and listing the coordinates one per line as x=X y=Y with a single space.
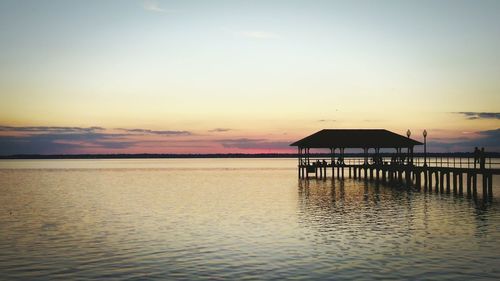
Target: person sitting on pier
x=340 y=161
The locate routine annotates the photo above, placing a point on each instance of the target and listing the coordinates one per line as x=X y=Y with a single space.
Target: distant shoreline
x=216 y=155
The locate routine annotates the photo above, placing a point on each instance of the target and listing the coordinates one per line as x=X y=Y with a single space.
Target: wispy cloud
x=479 y=115
x=153 y=132
x=327 y=120
x=50 y=129
x=154 y=6
x=220 y=130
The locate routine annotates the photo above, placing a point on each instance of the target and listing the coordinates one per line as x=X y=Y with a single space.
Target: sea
x=234 y=219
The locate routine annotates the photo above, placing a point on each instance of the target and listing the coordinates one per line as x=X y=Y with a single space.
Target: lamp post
x=425 y=147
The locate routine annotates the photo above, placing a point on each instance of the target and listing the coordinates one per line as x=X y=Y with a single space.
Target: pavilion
x=365 y=139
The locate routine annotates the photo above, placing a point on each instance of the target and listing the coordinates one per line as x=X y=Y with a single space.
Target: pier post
x=441 y=182
x=469 y=184
x=429 y=176
x=426 y=181
x=485 y=185
x=448 y=182
x=408 y=176
x=454 y=175
x=460 y=184
x=436 y=175
x=490 y=185
x=474 y=185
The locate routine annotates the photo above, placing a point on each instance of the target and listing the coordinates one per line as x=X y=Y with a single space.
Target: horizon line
x=209 y=155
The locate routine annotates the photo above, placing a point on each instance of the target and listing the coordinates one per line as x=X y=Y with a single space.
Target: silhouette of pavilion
x=365 y=139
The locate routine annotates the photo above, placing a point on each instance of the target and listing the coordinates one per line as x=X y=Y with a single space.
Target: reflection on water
x=232 y=219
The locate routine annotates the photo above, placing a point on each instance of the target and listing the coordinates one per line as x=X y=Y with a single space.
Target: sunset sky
x=244 y=76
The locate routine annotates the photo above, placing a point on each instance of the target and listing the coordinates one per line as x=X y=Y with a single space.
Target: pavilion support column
x=332 y=152
x=340 y=164
x=300 y=161
x=343 y=161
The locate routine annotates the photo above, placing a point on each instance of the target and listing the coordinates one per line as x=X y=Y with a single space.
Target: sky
x=244 y=76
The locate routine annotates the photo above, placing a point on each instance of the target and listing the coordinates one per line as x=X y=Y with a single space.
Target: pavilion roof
x=355 y=138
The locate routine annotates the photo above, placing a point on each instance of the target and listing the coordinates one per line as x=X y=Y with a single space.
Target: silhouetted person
x=341 y=161
x=483 y=159
x=324 y=163
x=477 y=156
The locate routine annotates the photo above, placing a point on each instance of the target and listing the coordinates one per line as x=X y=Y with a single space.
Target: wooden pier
x=438 y=174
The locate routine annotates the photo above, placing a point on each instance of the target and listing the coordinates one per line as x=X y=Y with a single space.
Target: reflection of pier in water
x=354 y=213
x=436 y=173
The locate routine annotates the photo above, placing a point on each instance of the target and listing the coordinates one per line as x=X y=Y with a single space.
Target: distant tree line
x=222 y=155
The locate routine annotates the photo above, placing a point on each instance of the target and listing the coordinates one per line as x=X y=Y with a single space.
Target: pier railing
x=431 y=161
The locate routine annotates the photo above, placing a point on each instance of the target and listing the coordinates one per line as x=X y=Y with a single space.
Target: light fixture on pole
x=425 y=147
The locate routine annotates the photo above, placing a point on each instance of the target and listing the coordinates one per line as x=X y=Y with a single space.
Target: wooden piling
x=448 y=182
x=460 y=184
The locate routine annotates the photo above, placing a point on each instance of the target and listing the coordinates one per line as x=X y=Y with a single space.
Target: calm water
x=232 y=219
